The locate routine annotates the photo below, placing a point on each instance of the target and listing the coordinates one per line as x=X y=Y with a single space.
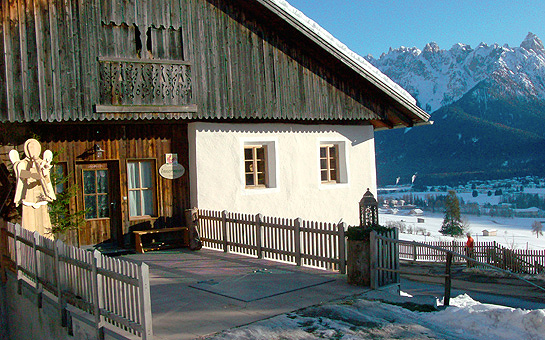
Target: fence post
x=96 y=286
x=446 y=301
x=342 y=247
x=297 y=240
x=396 y=256
x=17 y=244
x=415 y=254
x=37 y=269
x=4 y=254
x=145 y=302
x=259 y=245
x=373 y=257
x=224 y=231
x=60 y=296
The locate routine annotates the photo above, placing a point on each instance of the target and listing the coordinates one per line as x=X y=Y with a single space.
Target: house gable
x=192 y=59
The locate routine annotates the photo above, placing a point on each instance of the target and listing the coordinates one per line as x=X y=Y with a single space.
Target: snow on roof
x=333 y=42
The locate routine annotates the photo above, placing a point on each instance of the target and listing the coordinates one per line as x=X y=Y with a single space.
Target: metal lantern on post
x=368 y=210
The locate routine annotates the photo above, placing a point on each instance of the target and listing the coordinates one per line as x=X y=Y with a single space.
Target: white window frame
x=341 y=161
x=141 y=189
x=271 y=166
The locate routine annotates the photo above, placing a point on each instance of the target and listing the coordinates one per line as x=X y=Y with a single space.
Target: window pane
x=250 y=179
x=59 y=177
x=260 y=153
x=148 y=202
x=324 y=175
x=133 y=175
x=248 y=154
x=248 y=166
x=261 y=178
x=332 y=152
x=90 y=207
x=323 y=152
x=323 y=164
x=134 y=203
x=89 y=186
x=332 y=164
x=103 y=208
x=102 y=181
x=145 y=168
x=333 y=174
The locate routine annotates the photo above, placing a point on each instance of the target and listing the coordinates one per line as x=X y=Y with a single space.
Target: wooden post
x=96 y=287
x=17 y=243
x=61 y=300
x=342 y=247
x=145 y=302
x=224 y=231
x=396 y=256
x=415 y=254
x=37 y=269
x=4 y=254
x=259 y=244
x=448 y=280
x=373 y=272
x=297 y=240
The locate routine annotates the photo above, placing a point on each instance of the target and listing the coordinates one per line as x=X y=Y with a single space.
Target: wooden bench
x=138 y=238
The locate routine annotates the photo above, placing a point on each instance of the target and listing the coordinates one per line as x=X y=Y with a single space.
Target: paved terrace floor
x=203 y=292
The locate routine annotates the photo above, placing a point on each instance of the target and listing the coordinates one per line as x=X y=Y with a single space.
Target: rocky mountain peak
x=438 y=77
x=533 y=43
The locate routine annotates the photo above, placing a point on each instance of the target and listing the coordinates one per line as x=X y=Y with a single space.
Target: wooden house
x=264 y=111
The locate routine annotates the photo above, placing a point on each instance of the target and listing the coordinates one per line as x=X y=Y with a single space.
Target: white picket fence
x=113 y=291
x=306 y=243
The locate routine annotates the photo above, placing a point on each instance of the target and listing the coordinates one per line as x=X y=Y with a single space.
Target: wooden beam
x=145 y=108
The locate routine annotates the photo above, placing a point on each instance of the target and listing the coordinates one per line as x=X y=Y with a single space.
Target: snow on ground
x=515 y=233
x=364 y=319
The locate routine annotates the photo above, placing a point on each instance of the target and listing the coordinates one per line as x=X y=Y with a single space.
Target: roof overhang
x=406 y=113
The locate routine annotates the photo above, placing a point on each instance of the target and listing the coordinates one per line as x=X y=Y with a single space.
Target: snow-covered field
x=363 y=319
x=511 y=232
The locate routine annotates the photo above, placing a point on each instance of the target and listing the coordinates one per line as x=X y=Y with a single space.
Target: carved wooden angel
x=34 y=189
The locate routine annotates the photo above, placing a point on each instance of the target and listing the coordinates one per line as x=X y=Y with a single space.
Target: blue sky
x=372 y=26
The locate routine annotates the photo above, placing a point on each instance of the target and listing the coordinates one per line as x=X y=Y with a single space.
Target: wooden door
x=99 y=197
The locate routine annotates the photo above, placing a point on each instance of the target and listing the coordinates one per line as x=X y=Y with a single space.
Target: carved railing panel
x=136 y=82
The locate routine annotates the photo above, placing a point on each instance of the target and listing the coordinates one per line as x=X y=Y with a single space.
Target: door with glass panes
x=100 y=198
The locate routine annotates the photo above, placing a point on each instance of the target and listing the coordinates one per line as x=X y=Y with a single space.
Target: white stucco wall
x=217 y=170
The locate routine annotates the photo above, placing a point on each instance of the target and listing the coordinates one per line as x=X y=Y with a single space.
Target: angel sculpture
x=34 y=189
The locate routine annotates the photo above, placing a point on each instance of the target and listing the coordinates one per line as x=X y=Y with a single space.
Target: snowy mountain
x=488 y=108
x=437 y=77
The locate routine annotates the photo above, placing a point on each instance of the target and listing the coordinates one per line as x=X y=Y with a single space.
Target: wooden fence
x=384 y=259
x=305 y=243
x=517 y=261
x=113 y=291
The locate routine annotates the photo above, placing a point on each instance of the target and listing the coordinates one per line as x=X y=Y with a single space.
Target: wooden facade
x=75 y=148
x=128 y=76
x=84 y=60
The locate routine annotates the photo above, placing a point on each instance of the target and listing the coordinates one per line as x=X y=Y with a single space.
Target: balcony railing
x=139 y=85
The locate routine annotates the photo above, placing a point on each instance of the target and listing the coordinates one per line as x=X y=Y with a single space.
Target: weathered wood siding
x=120 y=142
x=80 y=60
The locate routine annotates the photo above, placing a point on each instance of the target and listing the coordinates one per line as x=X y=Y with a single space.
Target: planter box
x=358 y=262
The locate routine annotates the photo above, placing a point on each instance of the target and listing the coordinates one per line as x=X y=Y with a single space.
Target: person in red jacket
x=470 y=244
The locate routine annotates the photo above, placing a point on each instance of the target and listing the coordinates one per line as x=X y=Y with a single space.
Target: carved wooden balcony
x=139 y=85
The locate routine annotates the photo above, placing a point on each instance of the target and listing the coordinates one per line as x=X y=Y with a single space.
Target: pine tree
x=452 y=223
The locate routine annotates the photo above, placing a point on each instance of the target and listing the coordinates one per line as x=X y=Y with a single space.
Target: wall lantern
x=98 y=151
x=368 y=210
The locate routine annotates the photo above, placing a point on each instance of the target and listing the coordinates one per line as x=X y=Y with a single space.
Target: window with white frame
x=329 y=163
x=333 y=162
x=141 y=182
x=255 y=166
